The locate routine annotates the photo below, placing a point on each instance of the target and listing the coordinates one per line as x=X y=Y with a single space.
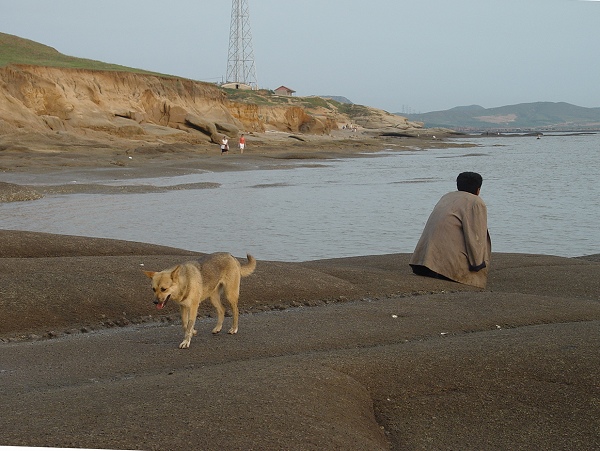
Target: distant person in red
x=242 y=143
x=455 y=243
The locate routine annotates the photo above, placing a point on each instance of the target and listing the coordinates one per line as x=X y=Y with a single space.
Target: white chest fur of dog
x=192 y=282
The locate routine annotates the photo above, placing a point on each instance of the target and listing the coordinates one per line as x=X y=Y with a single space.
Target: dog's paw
x=195 y=332
x=233 y=331
x=216 y=330
x=185 y=344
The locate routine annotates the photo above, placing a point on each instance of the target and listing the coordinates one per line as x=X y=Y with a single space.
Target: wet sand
x=353 y=353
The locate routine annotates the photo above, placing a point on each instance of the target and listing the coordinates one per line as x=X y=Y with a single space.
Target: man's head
x=469 y=182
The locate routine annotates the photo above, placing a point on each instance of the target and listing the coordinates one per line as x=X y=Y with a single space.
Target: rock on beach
x=10 y=192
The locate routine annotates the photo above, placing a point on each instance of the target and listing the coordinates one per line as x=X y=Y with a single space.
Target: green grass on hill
x=16 y=50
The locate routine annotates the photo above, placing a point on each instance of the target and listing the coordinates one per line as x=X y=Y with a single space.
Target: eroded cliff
x=135 y=106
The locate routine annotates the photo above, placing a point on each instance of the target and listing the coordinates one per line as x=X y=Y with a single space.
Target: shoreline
x=40 y=154
x=23 y=158
x=54 y=182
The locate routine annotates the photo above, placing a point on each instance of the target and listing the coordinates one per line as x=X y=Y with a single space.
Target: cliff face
x=137 y=105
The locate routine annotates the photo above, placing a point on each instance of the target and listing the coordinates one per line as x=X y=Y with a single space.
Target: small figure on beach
x=242 y=143
x=224 y=145
x=455 y=243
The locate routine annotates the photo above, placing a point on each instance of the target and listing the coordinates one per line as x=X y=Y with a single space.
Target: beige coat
x=455 y=242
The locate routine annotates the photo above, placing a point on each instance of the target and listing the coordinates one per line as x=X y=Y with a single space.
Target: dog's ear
x=175 y=273
x=150 y=274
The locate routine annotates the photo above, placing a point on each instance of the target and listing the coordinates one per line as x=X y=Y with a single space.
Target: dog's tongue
x=160 y=306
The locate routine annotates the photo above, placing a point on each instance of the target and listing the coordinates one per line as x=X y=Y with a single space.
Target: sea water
x=542 y=197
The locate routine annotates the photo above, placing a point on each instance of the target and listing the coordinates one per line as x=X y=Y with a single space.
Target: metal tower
x=240 y=63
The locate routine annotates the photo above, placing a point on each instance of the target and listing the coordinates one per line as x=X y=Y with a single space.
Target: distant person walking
x=242 y=143
x=224 y=145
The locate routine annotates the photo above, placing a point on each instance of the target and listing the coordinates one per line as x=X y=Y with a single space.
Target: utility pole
x=240 y=63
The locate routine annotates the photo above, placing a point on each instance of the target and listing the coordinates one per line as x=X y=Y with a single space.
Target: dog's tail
x=248 y=268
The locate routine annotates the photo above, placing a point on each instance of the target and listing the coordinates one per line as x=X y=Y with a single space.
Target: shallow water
x=542 y=197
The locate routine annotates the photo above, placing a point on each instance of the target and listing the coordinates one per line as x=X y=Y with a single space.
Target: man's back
x=455 y=242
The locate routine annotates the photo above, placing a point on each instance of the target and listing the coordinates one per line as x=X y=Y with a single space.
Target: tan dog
x=191 y=283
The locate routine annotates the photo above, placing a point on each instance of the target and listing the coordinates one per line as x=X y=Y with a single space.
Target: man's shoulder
x=456 y=196
x=463 y=198
x=464 y=195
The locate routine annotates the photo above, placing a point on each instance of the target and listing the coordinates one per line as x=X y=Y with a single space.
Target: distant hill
x=523 y=116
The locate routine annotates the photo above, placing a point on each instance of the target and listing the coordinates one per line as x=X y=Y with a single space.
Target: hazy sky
x=398 y=55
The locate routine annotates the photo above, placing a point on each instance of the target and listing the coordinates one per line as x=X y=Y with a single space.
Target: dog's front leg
x=185 y=316
x=188 y=321
x=185 y=319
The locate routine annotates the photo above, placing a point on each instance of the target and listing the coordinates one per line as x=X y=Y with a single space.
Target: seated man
x=455 y=243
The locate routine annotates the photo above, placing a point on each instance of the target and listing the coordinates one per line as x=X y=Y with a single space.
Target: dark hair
x=469 y=182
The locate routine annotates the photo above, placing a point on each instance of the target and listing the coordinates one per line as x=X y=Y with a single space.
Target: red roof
x=284 y=88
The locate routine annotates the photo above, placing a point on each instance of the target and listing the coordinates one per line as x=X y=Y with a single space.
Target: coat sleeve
x=476 y=236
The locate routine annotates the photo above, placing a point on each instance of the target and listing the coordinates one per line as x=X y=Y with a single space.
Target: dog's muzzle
x=161 y=305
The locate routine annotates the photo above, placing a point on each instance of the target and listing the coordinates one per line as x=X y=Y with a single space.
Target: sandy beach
x=353 y=353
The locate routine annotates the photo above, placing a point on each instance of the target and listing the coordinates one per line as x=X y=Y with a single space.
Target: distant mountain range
x=523 y=116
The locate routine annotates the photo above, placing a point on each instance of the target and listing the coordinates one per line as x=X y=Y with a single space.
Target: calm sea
x=543 y=197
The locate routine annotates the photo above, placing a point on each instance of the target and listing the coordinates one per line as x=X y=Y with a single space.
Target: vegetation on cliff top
x=15 y=50
x=269 y=98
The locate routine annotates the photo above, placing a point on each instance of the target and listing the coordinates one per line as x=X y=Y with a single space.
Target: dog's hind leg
x=215 y=299
x=232 y=293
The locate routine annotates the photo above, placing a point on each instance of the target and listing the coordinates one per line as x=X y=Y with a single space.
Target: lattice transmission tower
x=240 y=63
